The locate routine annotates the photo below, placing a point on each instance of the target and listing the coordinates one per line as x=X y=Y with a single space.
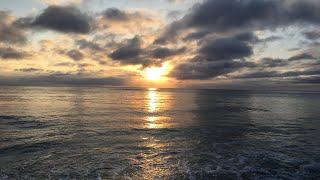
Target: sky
x=231 y=44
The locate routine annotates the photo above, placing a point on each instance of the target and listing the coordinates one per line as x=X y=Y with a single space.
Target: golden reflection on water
x=153 y=122
x=154 y=100
x=154 y=165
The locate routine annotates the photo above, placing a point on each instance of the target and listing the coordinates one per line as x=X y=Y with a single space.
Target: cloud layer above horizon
x=247 y=44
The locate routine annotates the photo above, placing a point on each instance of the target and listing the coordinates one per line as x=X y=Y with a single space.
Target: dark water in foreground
x=114 y=133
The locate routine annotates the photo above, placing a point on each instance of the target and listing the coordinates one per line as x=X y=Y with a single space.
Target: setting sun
x=154 y=73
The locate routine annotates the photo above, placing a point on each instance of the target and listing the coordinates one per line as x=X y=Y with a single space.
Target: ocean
x=130 y=133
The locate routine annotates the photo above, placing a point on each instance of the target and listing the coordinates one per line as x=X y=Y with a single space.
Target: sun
x=154 y=73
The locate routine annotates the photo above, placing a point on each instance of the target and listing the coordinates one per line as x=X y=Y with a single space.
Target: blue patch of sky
x=21 y=7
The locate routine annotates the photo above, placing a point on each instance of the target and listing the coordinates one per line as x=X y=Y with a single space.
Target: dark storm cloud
x=29 y=70
x=10 y=53
x=130 y=53
x=163 y=52
x=10 y=32
x=75 y=55
x=199 y=69
x=302 y=56
x=213 y=61
x=226 y=49
x=161 y=40
x=128 y=50
x=237 y=46
x=254 y=75
x=224 y=15
x=238 y=15
x=84 y=44
x=308 y=80
x=63 y=19
x=276 y=74
x=246 y=37
x=218 y=57
x=312 y=35
x=308 y=72
x=115 y=14
x=196 y=35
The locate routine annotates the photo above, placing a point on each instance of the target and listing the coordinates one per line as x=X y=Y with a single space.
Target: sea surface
x=123 y=133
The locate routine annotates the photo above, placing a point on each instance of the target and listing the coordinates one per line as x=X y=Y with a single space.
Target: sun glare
x=154 y=73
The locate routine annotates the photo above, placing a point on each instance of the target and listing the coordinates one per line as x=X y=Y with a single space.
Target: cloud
x=246 y=37
x=68 y=64
x=269 y=39
x=128 y=50
x=271 y=62
x=129 y=22
x=174 y=14
x=223 y=16
x=302 y=56
x=222 y=56
x=62 y=79
x=28 y=70
x=196 y=35
x=130 y=53
x=312 y=35
x=215 y=39
x=226 y=49
x=199 y=68
x=84 y=44
x=10 y=31
x=10 y=53
x=63 y=19
x=141 y=18
x=115 y=14
x=75 y=55
x=82 y=65
x=216 y=57
x=308 y=80
x=163 y=52
x=65 y=64
x=225 y=39
x=202 y=70
x=276 y=74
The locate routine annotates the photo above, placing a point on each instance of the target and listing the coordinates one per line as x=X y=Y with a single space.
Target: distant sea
x=124 y=133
